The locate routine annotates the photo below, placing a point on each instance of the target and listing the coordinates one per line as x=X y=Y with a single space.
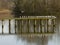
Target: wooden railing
x=29 y=25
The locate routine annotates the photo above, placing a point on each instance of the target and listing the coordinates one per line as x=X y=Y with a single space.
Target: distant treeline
x=43 y=7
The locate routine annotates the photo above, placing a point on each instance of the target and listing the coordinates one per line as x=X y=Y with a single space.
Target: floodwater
x=53 y=39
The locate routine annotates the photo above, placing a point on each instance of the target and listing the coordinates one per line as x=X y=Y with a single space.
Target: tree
x=17 y=13
x=16 y=9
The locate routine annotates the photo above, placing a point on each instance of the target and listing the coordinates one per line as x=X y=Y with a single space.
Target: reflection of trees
x=39 y=40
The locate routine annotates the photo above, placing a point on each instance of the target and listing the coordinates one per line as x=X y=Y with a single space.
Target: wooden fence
x=30 y=25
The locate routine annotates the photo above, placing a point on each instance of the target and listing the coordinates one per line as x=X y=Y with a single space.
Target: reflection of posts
x=44 y=40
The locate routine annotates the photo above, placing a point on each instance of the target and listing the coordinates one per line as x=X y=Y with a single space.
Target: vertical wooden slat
x=15 y=26
x=53 y=25
x=18 y=23
x=47 y=26
x=2 y=27
x=9 y=27
x=28 y=25
x=34 y=25
x=44 y=26
x=22 y=26
x=36 y=30
x=40 y=26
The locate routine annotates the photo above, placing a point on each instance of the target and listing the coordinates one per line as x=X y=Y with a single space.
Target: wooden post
x=34 y=25
x=40 y=26
x=9 y=27
x=53 y=25
x=47 y=26
x=28 y=25
x=15 y=26
x=2 y=27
